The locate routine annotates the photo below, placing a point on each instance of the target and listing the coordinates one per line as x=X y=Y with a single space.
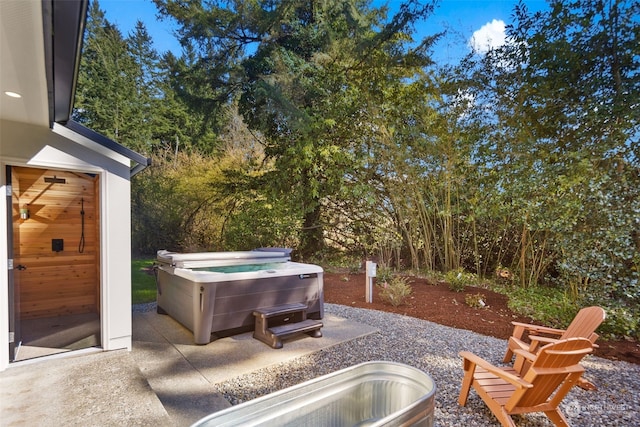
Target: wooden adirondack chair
x=555 y=368
x=582 y=326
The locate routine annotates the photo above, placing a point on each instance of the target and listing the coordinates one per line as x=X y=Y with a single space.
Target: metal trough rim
x=323 y=387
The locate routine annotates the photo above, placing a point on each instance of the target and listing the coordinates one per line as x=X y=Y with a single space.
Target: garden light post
x=371 y=273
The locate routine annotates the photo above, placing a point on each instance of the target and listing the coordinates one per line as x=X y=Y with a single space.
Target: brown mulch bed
x=435 y=302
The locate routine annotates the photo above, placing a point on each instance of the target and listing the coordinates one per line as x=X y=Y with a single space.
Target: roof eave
x=64 y=25
x=140 y=161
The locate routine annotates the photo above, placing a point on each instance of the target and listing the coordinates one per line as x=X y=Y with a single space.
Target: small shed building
x=65 y=238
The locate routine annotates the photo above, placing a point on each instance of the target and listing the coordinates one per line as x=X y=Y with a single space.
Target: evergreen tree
x=118 y=83
x=299 y=70
x=106 y=80
x=148 y=95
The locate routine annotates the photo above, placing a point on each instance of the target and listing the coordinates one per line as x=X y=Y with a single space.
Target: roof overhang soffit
x=139 y=161
x=64 y=25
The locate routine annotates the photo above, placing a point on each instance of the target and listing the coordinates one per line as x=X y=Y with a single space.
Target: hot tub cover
x=215 y=259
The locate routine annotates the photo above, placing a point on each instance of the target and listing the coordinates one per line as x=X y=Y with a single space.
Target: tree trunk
x=312 y=237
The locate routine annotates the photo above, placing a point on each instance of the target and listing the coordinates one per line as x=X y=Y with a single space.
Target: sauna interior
x=55 y=232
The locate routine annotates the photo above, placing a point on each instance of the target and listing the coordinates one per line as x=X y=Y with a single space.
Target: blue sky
x=462 y=18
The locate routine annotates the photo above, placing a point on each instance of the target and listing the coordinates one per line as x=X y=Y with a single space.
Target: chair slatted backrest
x=550 y=368
x=585 y=323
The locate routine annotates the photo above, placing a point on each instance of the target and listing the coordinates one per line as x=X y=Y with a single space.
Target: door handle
x=21 y=267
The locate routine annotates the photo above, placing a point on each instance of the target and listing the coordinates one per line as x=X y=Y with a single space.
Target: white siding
x=33 y=146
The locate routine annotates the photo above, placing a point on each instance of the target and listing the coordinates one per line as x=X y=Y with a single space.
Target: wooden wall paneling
x=65 y=282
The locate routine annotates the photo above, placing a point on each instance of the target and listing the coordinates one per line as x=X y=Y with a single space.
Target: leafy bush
x=476 y=300
x=334 y=261
x=174 y=206
x=458 y=279
x=549 y=306
x=556 y=307
x=621 y=322
x=395 y=291
x=355 y=268
x=384 y=274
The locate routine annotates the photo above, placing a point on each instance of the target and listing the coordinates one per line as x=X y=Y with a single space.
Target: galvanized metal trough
x=368 y=394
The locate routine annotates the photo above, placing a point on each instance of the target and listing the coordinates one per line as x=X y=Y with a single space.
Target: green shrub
x=334 y=261
x=554 y=307
x=476 y=300
x=621 y=322
x=458 y=279
x=549 y=306
x=355 y=268
x=384 y=274
x=395 y=291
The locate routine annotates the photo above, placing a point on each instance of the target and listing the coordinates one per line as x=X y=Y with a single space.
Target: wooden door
x=55 y=242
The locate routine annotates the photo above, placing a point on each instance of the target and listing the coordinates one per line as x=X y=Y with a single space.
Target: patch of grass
x=143 y=281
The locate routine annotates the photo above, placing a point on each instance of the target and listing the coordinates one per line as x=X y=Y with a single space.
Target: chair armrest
x=543 y=340
x=476 y=360
x=537 y=341
x=537 y=329
x=526 y=354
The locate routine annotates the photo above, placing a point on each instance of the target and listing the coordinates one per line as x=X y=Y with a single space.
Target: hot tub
x=217 y=292
x=368 y=394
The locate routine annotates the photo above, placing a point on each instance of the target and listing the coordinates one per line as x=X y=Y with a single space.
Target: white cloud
x=490 y=36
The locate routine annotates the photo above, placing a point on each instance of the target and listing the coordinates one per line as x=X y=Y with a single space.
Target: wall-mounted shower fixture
x=24 y=212
x=54 y=180
x=57 y=245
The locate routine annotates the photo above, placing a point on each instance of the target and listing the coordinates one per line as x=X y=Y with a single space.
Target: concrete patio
x=165 y=380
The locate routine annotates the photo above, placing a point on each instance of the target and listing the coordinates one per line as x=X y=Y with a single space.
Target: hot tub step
x=296 y=322
x=276 y=334
x=281 y=310
x=305 y=326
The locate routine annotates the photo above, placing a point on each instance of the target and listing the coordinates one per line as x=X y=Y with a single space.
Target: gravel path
x=434 y=349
